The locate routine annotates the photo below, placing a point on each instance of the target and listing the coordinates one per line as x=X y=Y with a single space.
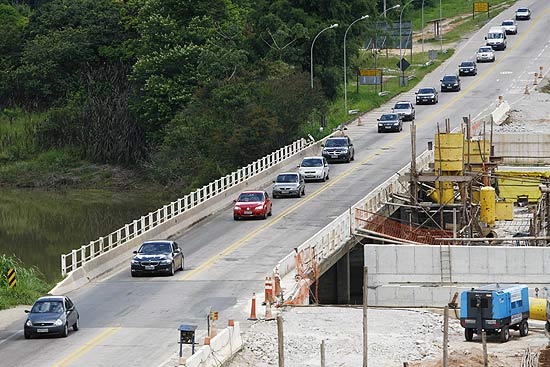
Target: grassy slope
x=29 y=286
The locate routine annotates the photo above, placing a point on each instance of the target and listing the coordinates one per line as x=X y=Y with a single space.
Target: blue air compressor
x=495 y=309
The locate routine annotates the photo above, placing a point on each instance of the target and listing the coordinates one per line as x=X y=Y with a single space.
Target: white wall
x=526 y=147
x=410 y=275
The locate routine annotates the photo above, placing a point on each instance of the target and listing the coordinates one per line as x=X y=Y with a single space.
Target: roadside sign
x=480 y=7
x=12 y=278
x=369 y=77
x=214 y=315
x=403 y=64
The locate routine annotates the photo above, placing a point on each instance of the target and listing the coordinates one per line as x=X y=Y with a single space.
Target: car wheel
x=65 y=331
x=304 y=191
x=401 y=127
x=379 y=131
x=324 y=178
x=27 y=334
x=76 y=325
x=172 y=269
x=133 y=274
x=468 y=334
x=181 y=266
x=353 y=156
x=235 y=217
x=270 y=211
x=523 y=328
x=504 y=334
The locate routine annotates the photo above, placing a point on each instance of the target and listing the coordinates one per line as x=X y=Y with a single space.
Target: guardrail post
x=73 y=260
x=92 y=249
x=63 y=265
x=126 y=232
x=101 y=245
x=143 y=224
x=83 y=252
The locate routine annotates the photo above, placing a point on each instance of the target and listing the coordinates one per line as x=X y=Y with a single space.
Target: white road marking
x=11 y=336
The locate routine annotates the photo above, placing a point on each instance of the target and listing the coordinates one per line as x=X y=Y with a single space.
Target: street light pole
x=384 y=15
x=345 y=66
x=400 y=43
x=440 y=27
x=312 y=43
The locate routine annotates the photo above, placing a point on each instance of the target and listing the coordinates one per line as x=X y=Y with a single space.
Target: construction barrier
x=220 y=349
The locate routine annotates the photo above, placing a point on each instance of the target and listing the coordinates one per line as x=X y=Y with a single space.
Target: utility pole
x=414 y=190
x=484 y=342
x=446 y=336
x=365 y=307
x=323 y=353
x=280 y=341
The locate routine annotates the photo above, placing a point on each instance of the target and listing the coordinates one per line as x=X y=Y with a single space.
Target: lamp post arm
x=311 y=52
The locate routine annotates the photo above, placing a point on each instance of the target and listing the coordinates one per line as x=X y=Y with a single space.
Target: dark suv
x=338 y=148
x=467 y=68
x=450 y=83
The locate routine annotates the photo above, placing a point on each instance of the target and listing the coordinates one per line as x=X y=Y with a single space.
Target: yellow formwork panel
x=504 y=210
x=511 y=185
x=477 y=149
x=487 y=210
x=537 y=308
x=448 y=191
x=448 y=151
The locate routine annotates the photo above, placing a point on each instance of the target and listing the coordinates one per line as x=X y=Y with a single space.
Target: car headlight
x=165 y=261
x=28 y=323
x=396 y=124
x=135 y=262
x=259 y=207
x=58 y=322
x=237 y=208
x=455 y=84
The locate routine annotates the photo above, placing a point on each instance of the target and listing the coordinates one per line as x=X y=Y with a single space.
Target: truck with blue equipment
x=495 y=309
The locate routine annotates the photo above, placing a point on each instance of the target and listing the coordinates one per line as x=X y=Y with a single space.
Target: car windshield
x=467 y=63
x=155 y=248
x=389 y=117
x=523 y=10
x=449 y=78
x=336 y=143
x=402 y=106
x=47 y=307
x=485 y=49
x=250 y=196
x=508 y=22
x=287 y=178
x=493 y=36
x=312 y=162
x=425 y=91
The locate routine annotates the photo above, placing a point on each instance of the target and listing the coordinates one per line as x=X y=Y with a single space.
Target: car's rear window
x=312 y=162
x=425 y=90
x=287 y=178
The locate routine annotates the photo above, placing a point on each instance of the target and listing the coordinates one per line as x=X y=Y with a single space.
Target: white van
x=496 y=38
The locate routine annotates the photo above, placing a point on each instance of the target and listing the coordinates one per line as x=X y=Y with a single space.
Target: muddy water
x=38 y=226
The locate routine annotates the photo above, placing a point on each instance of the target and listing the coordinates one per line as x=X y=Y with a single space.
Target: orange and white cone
x=253 y=308
x=268 y=291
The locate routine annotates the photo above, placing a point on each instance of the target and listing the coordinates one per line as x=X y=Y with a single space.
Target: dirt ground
x=395 y=336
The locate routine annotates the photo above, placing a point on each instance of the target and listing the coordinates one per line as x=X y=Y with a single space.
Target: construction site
x=476 y=217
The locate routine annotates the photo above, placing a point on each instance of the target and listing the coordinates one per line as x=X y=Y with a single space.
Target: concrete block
x=534 y=260
x=422 y=257
x=496 y=260
x=546 y=260
x=479 y=258
x=406 y=259
x=515 y=260
x=386 y=296
x=386 y=261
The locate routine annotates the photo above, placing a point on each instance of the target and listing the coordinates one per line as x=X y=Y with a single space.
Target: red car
x=252 y=204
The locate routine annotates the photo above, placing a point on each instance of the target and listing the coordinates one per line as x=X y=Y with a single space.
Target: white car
x=510 y=26
x=523 y=14
x=314 y=168
x=485 y=53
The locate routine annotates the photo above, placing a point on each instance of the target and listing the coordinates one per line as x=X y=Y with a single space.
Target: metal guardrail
x=77 y=257
x=334 y=235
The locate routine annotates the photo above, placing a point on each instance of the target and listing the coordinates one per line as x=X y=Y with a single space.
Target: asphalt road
x=133 y=321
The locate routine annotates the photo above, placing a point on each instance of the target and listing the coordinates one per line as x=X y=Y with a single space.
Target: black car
x=157 y=256
x=427 y=95
x=390 y=122
x=51 y=315
x=450 y=83
x=338 y=148
x=467 y=68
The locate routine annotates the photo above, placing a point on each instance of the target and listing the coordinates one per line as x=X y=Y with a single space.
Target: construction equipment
x=495 y=309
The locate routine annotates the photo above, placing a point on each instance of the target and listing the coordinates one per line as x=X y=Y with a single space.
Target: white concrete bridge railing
x=78 y=257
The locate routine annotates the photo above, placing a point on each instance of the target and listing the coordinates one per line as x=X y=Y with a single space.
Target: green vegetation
x=30 y=284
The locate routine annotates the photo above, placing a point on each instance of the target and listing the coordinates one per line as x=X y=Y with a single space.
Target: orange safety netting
x=397 y=230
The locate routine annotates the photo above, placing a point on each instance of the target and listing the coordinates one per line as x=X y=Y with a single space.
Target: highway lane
x=127 y=321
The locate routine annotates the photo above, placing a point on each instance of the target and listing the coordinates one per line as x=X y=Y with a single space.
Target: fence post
x=63 y=265
x=101 y=245
x=73 y=259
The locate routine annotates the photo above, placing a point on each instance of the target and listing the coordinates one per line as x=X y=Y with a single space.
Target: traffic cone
x=268 y=314
x=526 y=89
x=230 y=322
x=268 y=291
x=253 y=308
x=540 y=74
x=536 y=77
x=207 y=340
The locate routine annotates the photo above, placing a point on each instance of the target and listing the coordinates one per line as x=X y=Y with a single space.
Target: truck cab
x=495 y=309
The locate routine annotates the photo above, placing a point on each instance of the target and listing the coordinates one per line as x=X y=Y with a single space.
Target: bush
x=30 y=283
